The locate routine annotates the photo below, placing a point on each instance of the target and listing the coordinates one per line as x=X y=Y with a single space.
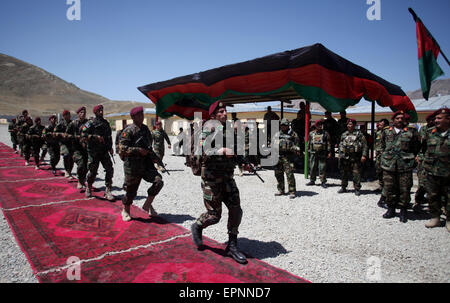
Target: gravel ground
x=320 y=236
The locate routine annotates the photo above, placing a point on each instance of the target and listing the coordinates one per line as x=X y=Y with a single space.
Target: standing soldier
x=289 y=148
x=135 y=149
x=400 y=145
x=52 y=143
x=65 y=143
x=319 y=148
x=218 y=185
x=419 y=197
x=21 y=121
x=436 y=145
x=353 y=151
x=98 y=135
x=378 y=151
x=24 y=130
x=159 y=135
x=80 y=156
x=12 y=129
x=36 y=138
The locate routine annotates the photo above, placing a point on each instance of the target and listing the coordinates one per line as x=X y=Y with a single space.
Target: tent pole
x=282 y=109
x=306 y=139
x=372 y=129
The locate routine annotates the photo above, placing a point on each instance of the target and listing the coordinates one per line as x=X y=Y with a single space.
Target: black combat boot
x=357 y=192
x=390 y=213
x=197 y=235
x=382 y=202
x=324 y=185
x=403 y=215
x=233 y=251
x=310 y=183
x=342 y=190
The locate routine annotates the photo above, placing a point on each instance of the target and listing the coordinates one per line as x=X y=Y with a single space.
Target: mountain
x=25 y=86
x=441 y=87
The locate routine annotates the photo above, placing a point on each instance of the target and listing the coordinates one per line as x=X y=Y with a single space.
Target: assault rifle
x=140 y=143
x=245 y=161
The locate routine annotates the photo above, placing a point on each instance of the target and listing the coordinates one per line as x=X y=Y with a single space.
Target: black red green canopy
x=313 y=73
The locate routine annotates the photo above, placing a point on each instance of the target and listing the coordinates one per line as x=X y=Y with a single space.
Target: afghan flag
x=428 y=53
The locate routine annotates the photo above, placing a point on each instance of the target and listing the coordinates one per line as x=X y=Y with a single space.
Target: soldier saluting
x=399 y=145
x=436 y=162
x=135 y=149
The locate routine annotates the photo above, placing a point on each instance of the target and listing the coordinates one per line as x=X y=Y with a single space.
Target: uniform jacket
x=436 y=147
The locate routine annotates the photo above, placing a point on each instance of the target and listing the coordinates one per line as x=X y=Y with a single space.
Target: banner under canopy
x=313 y=73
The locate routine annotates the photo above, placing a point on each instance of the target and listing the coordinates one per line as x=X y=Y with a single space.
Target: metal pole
x=372 y=129
x=282 y=109
x=306 y=139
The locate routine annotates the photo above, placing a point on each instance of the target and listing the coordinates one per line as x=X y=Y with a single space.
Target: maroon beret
x=66 y=112
x=399 y=112
x=351 y=120
x=318 y=122
x=37 y=119
x=136 y=110
x=52 y=117
x=443 y=110
x=97 y=108
x=214 y=106
x=80 y=109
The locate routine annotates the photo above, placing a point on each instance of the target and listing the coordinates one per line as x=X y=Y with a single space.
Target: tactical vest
x=287 y=143
x=351 y=143
x=319 y=141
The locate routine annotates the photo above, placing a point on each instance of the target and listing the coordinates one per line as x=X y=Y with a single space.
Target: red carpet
x=143 y=250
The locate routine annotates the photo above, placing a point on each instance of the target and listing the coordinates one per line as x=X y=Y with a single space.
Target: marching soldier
x=52 y=143
x=400 y=145
x=289 y=148
x=21 y=121
x=319 y=148
x=378 y=151
x=159 y=135
x=419 y=198
x=24 y=130
x=80 y=156
x=35 y=135
x=436 y=145
x=98 y=135
x=353 y=151
x=135 y=149
x=12 y=129
x=65 y=143
x=218 y=185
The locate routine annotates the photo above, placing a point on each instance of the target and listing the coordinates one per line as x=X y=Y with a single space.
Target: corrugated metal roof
x=146 y=111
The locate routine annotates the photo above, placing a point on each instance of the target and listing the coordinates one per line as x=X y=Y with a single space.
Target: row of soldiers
x=399 y=149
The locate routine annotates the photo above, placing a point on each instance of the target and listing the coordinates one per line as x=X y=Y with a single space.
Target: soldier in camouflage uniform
x=400 y=145
x=319 y=149
x=218 y=185
x=35 y=135
x=135 y=149
x=353 y=151
x=159 y=135
x=378 y=151
x=436 y=161
x=80 y=156
x=27 y=144
x=98 y=136
x=65 y=143
x=52 y=143
x=21 y=121
x=419 y=197
x=12 y=129
x=289 y=144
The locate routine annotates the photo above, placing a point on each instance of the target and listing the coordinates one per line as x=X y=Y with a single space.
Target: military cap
x=136 y=110
x=284 y=121
x=66 y=112
x=318 y=122
x=351 y=120
x=80 y=109
x=52 y=117
x=214 y=106
x=97 y=108
x=24 y=112
x=401 y=112
x=37 y=119
x=443 y=110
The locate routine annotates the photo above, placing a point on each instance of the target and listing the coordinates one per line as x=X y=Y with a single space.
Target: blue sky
x=120 y=45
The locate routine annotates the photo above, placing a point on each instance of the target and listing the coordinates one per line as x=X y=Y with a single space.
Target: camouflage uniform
x=319 y=146
x=80 y=156
x=65 y=146
x=158 y=142
x=352 y=147
x=421 y=172
x=378 y=151
x=26 y=141
x=436 y=162
x=36 y=141
x=136 y=167
x=52 y=146
x=20 y=136
x=98 y=152
x=12 y=129
x=289 y=144
x=397 y=161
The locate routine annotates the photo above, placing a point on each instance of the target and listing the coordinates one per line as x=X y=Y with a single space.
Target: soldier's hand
x=363 y=159
x=248 y=167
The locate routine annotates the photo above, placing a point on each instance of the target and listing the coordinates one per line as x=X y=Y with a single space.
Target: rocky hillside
x=441 y=87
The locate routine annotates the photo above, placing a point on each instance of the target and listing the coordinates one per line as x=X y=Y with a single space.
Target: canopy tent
x=313 y=73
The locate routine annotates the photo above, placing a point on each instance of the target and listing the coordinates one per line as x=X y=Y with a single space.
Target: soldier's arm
x=328 y=138
x=125 y=146
x=365 y=147
x=166 y=137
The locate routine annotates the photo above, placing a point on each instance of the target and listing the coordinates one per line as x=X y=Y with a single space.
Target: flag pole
x=413 y=13
x=306 y=138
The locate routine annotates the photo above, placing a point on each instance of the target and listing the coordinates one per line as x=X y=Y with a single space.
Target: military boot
x=80 y=185
x=126 y=213
x=197 y=235
x=108 y=195
x=324 y=185
x=88 y=191
x=148 y=207
x=342 y=190
x=434 y=222
x=390 y=213
x=403 y=215
x=357 y=192
x=310 y=183
x=233 y=251
x=382 y=202
x=447 y=225
x=292 y=195
x=280 y=193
